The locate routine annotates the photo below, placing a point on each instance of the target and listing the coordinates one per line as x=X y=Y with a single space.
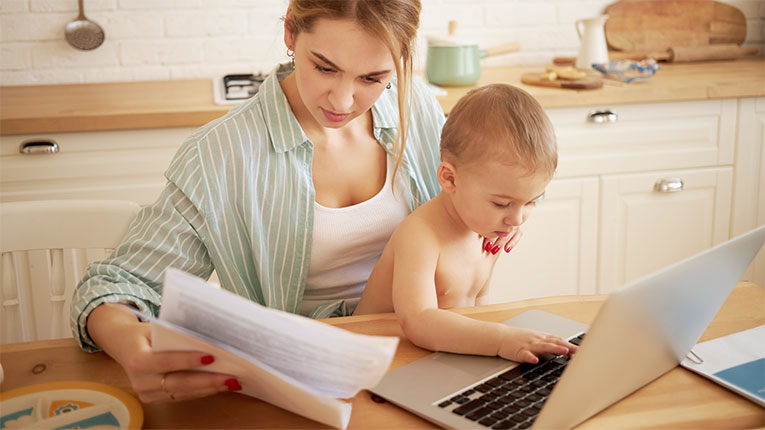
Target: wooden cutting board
x=573 y=84
x=636 y=25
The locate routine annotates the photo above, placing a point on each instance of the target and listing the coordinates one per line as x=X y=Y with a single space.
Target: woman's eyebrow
x=334 y=66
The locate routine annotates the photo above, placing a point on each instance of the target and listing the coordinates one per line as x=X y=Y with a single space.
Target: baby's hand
x=523 y=345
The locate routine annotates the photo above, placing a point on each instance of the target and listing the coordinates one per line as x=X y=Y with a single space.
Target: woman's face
x=340 y=70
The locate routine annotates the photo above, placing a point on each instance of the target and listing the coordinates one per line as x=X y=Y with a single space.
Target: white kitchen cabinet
x=558 y=252
x=617 y=153
x=122 y=165
x=748 y=209
x=643 y=230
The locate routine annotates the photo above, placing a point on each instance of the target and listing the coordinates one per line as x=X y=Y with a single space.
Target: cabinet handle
x=38 y=146
x=602 y=117
x=668 y=185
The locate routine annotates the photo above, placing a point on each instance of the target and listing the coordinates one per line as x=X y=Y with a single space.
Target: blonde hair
x=394 y=22
x=500 y=121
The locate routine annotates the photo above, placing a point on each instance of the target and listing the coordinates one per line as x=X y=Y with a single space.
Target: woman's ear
x=447 y=176
x=289 y=37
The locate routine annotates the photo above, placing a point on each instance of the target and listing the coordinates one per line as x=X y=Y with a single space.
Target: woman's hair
x=500 y=122
x=394 y=22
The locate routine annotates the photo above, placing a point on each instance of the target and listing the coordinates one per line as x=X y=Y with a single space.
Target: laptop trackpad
x=470 y=366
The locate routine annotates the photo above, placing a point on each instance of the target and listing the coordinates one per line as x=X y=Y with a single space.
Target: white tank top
x=347 y=242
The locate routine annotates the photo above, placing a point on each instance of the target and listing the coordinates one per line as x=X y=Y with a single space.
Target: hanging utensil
x=83 y=33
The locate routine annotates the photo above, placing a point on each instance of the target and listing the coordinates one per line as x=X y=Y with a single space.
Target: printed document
x=736 y=361
x=294 y=362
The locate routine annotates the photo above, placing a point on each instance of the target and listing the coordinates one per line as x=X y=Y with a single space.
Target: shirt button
x=389 y=146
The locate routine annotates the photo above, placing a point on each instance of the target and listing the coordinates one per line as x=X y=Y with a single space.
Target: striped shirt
x=240 y=200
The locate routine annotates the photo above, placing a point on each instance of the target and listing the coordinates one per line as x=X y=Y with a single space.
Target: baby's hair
x=501 y=122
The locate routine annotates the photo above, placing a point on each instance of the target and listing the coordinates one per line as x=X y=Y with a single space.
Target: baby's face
x=493 y=198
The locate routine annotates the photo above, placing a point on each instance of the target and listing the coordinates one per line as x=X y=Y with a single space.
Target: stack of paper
x=294 y=362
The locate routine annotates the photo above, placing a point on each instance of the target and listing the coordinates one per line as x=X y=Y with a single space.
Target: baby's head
x=498 y=153
x=501 y=123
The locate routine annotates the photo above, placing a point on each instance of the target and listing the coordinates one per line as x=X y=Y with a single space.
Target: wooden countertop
x=677 y=399
x=184 y=103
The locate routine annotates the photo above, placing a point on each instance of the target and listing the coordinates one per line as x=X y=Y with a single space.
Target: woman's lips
x=334 y=117
x=502 y=233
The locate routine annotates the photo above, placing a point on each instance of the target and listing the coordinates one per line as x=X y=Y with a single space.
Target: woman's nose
x=341 y=96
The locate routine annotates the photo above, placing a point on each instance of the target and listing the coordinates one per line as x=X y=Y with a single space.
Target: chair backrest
x=45 y=247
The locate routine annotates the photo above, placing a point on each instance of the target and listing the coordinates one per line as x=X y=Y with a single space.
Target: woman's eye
x=501 y=205
x=323 y=69
x=372 y=80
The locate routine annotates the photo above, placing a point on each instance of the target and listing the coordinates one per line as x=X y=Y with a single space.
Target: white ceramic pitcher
x=592 y=40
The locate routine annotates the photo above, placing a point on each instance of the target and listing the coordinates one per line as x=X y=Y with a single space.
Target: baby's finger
x=551 y=348
x=571 y=347
x=562 y=342
x=527 y=357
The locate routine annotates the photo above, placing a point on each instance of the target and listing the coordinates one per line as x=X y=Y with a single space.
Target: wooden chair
x=45 y=247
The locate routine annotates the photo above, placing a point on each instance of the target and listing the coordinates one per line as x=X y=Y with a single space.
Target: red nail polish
x=233 y=384
x=207 y=359
x=508 y=249
x=487 y=248
x=495 y=250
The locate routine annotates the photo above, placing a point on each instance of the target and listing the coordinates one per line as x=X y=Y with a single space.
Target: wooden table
x=679 y=399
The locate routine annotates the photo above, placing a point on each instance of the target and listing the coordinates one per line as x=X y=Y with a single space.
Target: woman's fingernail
x=495 y=250
x=207 y=359
x=508 y=248
x=487 y=247
x=233 y=384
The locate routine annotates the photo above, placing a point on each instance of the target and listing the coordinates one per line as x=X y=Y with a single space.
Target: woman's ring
x=164 y=389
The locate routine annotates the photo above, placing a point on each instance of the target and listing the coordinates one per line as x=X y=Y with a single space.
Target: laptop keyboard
x=512 y=399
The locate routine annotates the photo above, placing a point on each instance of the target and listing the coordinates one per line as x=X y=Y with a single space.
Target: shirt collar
x=283 y=127
x=385 y=109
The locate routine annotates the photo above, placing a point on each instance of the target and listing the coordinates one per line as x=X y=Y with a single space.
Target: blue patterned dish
x=627 y=70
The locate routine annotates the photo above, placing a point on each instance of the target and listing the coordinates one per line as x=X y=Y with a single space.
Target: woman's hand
x=506 y=243
x=155 y=377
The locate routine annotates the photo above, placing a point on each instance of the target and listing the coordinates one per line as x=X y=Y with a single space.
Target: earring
x=388 y=86
x=291 y=55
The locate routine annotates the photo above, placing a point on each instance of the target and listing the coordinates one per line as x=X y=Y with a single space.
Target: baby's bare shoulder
x=414 y=229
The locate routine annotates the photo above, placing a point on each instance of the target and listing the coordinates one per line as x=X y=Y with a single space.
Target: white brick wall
x=176 y=39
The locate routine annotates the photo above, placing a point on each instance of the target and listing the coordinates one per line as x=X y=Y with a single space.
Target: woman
x=290 y=197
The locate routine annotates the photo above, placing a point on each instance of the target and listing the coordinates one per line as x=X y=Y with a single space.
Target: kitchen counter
x=184 y=103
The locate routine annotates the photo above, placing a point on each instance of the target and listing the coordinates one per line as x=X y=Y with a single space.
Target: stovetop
x=235 y=88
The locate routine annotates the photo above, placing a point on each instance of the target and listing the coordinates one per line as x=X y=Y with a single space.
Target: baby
x=498 y=153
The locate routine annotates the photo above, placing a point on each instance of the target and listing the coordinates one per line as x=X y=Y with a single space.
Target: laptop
x=644 y=329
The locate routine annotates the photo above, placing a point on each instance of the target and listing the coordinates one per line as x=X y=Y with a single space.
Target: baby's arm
x=415 y=301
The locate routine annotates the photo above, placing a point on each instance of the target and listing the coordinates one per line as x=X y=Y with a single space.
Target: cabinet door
x=643 y=230
x=558 y=252
x=123 y=165
x=638 y=138
x=758 y=267
x=748 y=209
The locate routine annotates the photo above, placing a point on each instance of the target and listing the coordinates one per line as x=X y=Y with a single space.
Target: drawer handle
x=41 y=146
x=602 y=117
x=668 y=185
